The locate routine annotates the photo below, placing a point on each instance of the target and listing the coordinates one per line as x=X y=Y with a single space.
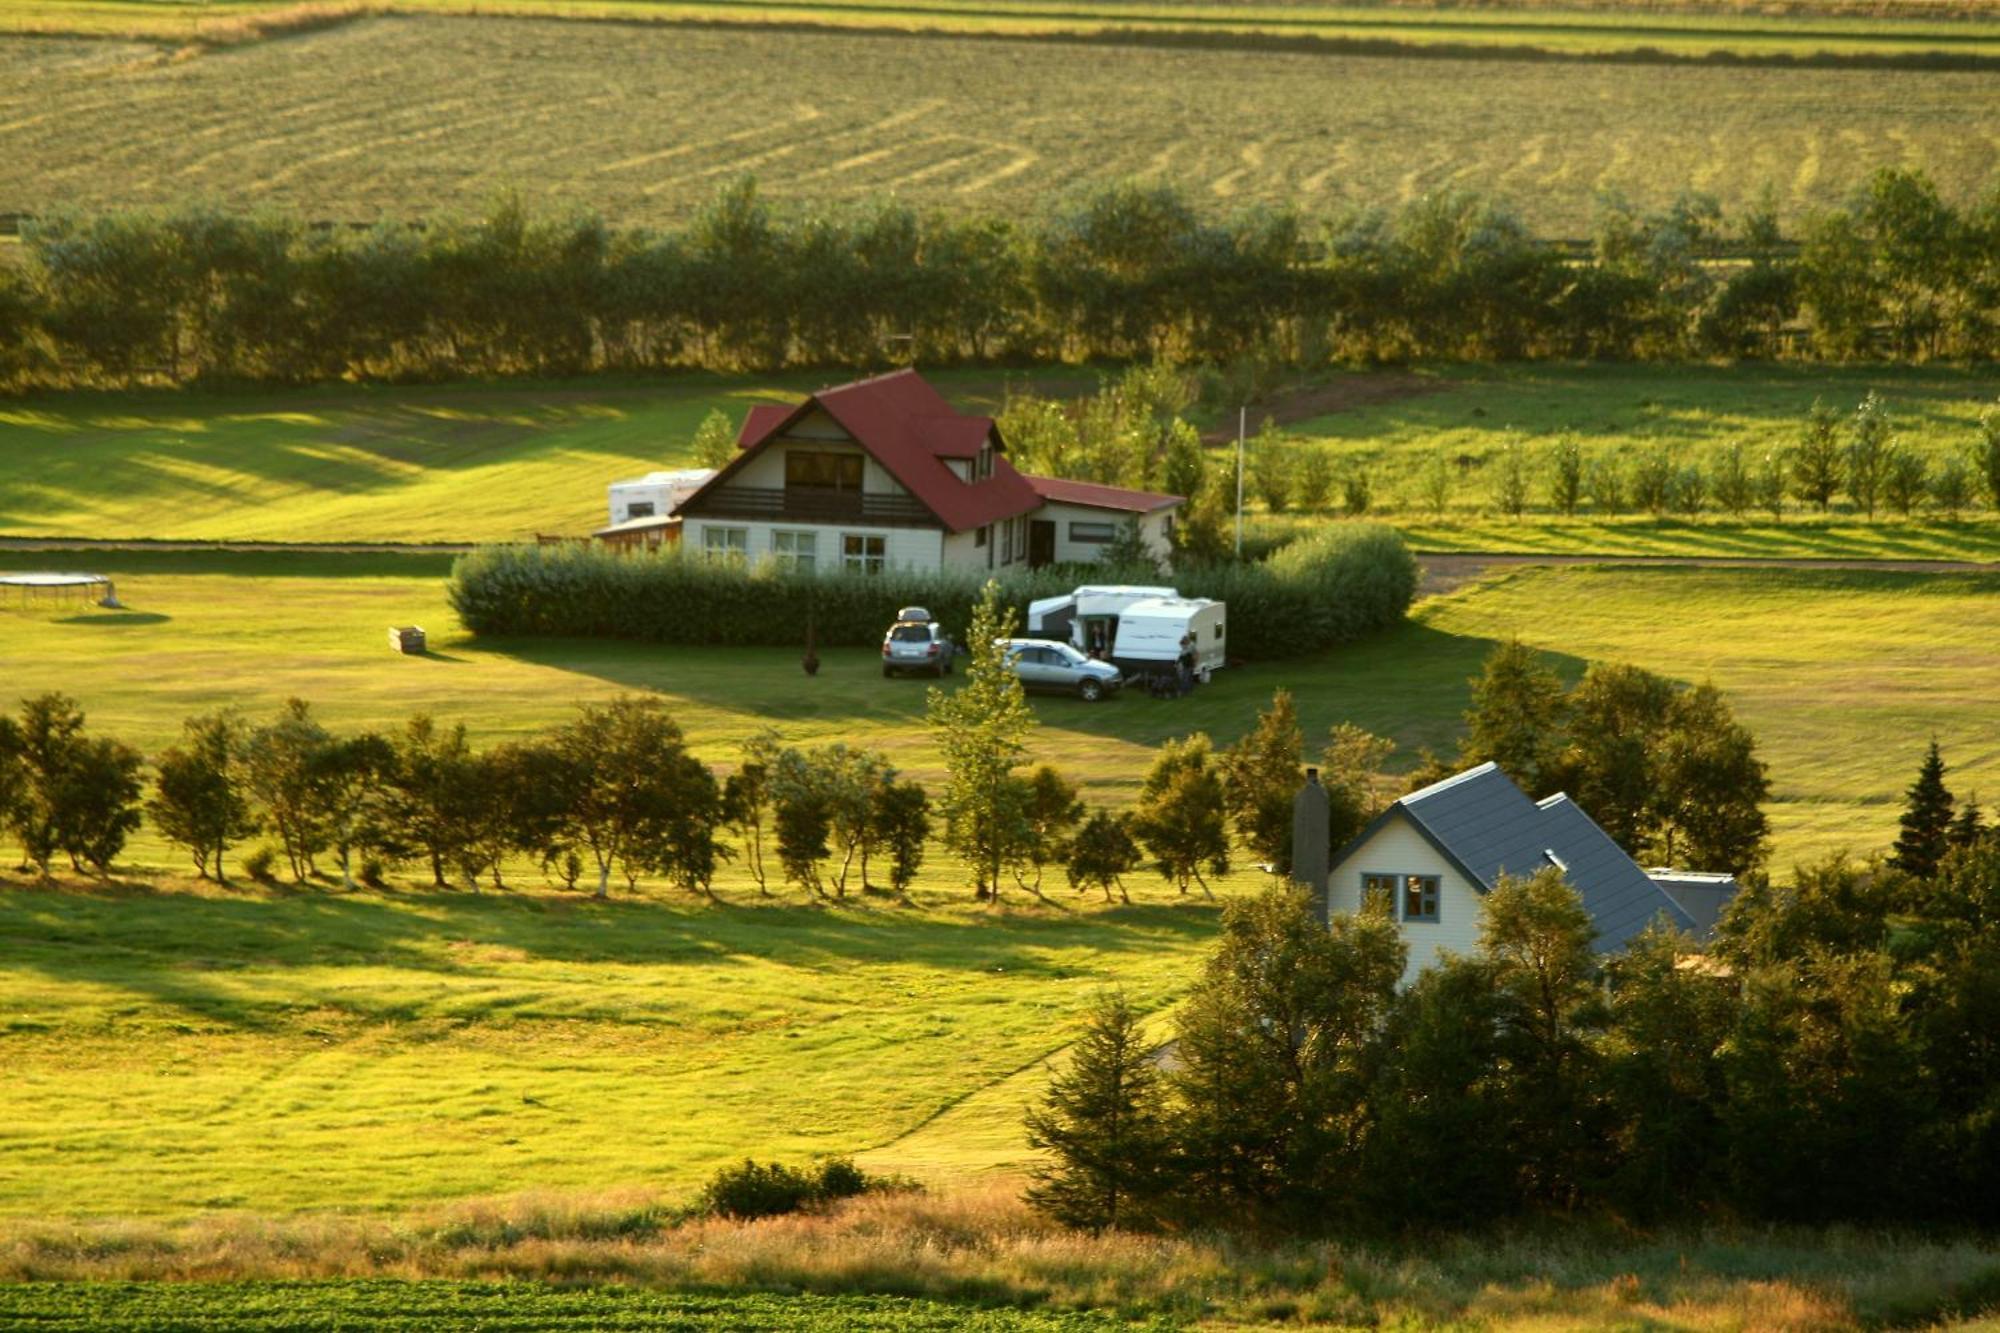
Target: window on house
x=1007 y=542
x=982 y=468
x=979 y=537
x=639 y=509
x=725 y=543
x=795 y=550
x=1382 y=884
x=821 y=470
x=863 y=553
x=1093 y=532
x=1420 y=897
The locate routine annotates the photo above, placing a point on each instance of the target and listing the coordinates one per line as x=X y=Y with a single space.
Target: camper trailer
x=656 y=494
x=1136 y=628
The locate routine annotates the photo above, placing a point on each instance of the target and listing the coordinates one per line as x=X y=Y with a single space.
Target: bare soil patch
x=1346 y=394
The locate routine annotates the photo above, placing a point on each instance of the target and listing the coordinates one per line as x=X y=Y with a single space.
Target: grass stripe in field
x=461 y=1307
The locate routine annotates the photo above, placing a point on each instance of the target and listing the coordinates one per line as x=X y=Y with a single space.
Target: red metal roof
x=1090 y=494
x=909 y=428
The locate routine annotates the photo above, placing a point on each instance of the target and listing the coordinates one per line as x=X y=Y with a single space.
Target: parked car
x=1044 y=664
x=916 y=643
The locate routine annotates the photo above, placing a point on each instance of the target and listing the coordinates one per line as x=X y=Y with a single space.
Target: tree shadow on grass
x=176 y=948
x=116 y=619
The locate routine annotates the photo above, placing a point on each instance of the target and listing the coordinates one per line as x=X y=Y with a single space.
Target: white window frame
x=865 y=562
x=786 y=552
x=734 y=543
x=1110 y=532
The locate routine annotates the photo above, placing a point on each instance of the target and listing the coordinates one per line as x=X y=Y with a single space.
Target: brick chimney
x=1310 y=852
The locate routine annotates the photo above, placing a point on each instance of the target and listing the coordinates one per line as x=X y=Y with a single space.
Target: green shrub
x=1311 y=594
x=755 y=1189
x=258 y=861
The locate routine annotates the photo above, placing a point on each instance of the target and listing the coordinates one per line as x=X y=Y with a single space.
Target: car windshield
x=910 y=634
x=1071 y=655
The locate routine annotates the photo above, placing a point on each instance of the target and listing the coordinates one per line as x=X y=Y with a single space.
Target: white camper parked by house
x=1137 y=628
x=656 y=494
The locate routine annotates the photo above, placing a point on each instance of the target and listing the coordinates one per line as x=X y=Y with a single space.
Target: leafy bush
x=1313 y=593
x=259 y=861
x=755 y=1189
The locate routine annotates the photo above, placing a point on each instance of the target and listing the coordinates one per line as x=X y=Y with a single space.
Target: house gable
x=1397 y=846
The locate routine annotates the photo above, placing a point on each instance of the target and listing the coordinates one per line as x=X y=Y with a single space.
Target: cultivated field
x=406 y=116
x=471 y=463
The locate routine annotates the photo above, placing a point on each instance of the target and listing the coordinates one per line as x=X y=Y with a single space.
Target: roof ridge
x=1445 y=784
x=864 y=381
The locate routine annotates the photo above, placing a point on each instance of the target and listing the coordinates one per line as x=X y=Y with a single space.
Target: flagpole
x=1242 y=417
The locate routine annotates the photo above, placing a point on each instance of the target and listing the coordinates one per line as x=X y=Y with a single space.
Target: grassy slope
x=481 y=463
x=642 y=123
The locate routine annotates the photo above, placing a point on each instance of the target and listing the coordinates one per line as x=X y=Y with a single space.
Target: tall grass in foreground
x=983 y=1246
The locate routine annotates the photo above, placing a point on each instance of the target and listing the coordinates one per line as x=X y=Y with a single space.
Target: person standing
x=1185 y=664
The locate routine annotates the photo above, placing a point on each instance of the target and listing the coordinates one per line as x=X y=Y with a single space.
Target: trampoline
x=33 y=588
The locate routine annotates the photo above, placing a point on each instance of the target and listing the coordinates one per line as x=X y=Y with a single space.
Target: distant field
x=503 y=462
x=1823 y=666
x=408 y=116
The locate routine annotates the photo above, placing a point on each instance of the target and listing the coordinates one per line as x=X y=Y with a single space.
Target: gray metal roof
x=1488 y=827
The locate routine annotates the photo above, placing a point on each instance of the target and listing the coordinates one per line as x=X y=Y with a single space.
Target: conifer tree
x=1517 y=716
x=1927 y=819
x=1101 y=1121
x=1968 y=826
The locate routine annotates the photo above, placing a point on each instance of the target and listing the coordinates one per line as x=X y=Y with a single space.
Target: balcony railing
x=802 y=504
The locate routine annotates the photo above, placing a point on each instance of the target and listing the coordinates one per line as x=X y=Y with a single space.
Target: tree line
x=1827 y=1059
x=1123 y=272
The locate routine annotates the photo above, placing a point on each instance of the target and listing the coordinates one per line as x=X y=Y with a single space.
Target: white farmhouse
x=1437 y=851
x=884 y=474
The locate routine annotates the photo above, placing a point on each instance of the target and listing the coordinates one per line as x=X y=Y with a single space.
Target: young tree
x=1618 y=718
x=1101 y=854
x=1517 y=717
x=901 y=824
x=1102 y=1122
x=714 y=440
x=1184 y=468
x=802 y=823
x=431 y=794
x=13 y=777
x=1688 y=491
x=1271 y=467
x=198 y=799
x=1315 y=480
x=1968 y=826
x=1868 y=453
x=1278 y=1043
x=1951 y=488
x=1510 y=480
x=1350 y=768
x=1926 y=823
x=1986 y=454
x=1566 y=475
x=982 y=729
x=281 y=771
x=1260 y=779
x=65 y=791
x=1182 y=819
x=1770 y=485
x=620 y=749
x=1535 y=936
x=1906 y=479
x=1356 y=493
x=680 y=842
x=1052 y=810
x=746 y=803
x=1607 y=485
x=1816 y=461
x=352 y=785
x=1653 y=481
x=1712 y=787
x=1435 y=484
x=1735 y=489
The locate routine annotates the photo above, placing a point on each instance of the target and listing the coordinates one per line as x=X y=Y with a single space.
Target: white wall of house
x=999 y=546
x=1072 y=545
x=1398 y=849
x=902 y=548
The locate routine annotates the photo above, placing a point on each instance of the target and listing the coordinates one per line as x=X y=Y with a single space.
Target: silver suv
x=916 y=643
x=1045 y=664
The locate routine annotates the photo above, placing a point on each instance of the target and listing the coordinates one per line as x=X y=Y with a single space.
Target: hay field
x=402 y=116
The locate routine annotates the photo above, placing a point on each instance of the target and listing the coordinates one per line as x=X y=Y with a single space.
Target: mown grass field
x=406 y=116
x=468 y=463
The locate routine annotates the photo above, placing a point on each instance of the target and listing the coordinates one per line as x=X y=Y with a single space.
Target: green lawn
x=503 y=462
x=172 y=1050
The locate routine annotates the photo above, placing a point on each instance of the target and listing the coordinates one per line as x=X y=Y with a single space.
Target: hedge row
x=1331 y=587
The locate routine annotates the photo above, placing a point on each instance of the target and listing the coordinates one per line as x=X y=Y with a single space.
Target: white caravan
x=1137 y=628
x=656 y=494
